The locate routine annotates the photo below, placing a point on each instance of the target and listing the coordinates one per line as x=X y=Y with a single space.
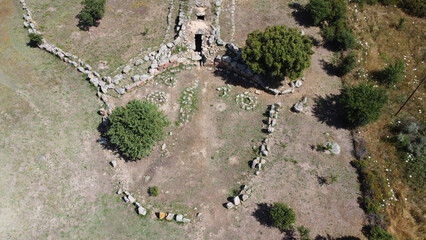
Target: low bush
x=392 y=73
x=304 y=233
x=153 y=191
x=35 y=39
x=374 y=232
x=282 y=216
x=318 y=11
x=362 y=104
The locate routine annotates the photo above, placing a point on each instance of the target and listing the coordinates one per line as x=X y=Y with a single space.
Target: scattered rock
x=179 y=218
x=186 y=220
x=170 y=216
x=236 y=200
x=120 y=91
x=244 y=197
x=161 y=215
x=141 y=211
x=298 y=83
x=131 y=198
x=125 y=199
x=229 y=205
x=113 y=163
x=126 y=69
x=298 y=107
x=138 y=62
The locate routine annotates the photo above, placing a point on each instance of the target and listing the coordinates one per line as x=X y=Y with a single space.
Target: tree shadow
x=32 y=44
x=83 y=25
x=329 y=68
x=329 y=110
x=329 y=237
x=106 y=144
x=261 y=214
x=300 y=15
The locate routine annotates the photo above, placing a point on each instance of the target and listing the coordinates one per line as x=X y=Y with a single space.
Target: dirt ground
x=57 y=176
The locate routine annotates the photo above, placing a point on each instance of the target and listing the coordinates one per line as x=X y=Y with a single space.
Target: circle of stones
x=157 y=97
x=169 y=81
x=224 y=91
x=246 y=100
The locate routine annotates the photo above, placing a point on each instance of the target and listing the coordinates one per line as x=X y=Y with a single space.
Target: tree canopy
x=362 y=104
x=92 y=11
x=135 y=128
x=282 y=216
x=279 y=51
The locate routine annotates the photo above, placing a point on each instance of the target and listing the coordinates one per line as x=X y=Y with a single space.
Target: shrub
x=401 y=23
x=374 y=232
x=318 y=11
x=282 y=216
x=373 y=186
x=392 y=73
x=344 y=40
x=413 y=7
x=93 y=11
x=153 y=191
x=35 y=39
x=280 y=51
x=347 y=64
x=135 y=128
x=362 y=104
x=304 y=233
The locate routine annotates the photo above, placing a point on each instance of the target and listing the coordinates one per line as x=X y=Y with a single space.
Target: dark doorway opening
x=200 y=18
x=198 y=42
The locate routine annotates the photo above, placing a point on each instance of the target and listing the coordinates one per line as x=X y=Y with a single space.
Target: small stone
x=229 y=205
x=199 y=214
x=126 y=69
x=244 y=197
x=257 y=92
x=170 y=216
x=303 y=78
x=119 y=191
x=141 y=211
x=179 y=218
x=113 y=163
x=186 y=220
x=147 y=178
x=163 y=147
x=271 y=129
x=298 y=107
x=125 y=199
x=138 y=62
x=298 y=83
x=236 y=200
x=137 y=204
x=131 y=199
x=256 y=173
x=161 y=215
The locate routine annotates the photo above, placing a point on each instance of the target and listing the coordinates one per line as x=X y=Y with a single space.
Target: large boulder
x=298 y=107
x=141 y=211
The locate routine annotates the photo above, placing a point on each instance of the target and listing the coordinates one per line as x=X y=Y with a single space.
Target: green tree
x=362 y=104
x=135 y=128
x=35 y=39
x=282 y=216
x=280 y=51
x=318 y=11
x=392 y=73
x=93 y=11
x=347 y=64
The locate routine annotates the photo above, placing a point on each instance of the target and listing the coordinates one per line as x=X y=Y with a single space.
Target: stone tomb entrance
x=198 y=42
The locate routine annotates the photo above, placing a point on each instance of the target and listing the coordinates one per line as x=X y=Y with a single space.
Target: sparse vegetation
x=392 y=73
x=282 y=216
x=346 y=64
x=135 y=128
x=375 y=232
x=153 y=191
x=362 y=104
x=303 y=233
x=279 y=51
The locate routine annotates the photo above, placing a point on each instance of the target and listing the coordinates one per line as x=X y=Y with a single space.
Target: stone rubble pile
x=244 y=194
x=246 y=100
x=298 y=107
x=157 y=97
x=186 y=103
x=127 y=197
x=170 y=216
x=224 y=91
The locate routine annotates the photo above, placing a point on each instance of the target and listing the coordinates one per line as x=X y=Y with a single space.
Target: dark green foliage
x=282 y=216
x=304 y=233
x=393 y=73
x=92 y=11
x=362 y=104
x=280 y=51
x=374 y=232
x=153 y=191
x=410 y=140
x=347 y=64
x=318 y=11
x=344 y=40
x=35 y=39
x=413 y=7
x=401 y=23
x=135 y=128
